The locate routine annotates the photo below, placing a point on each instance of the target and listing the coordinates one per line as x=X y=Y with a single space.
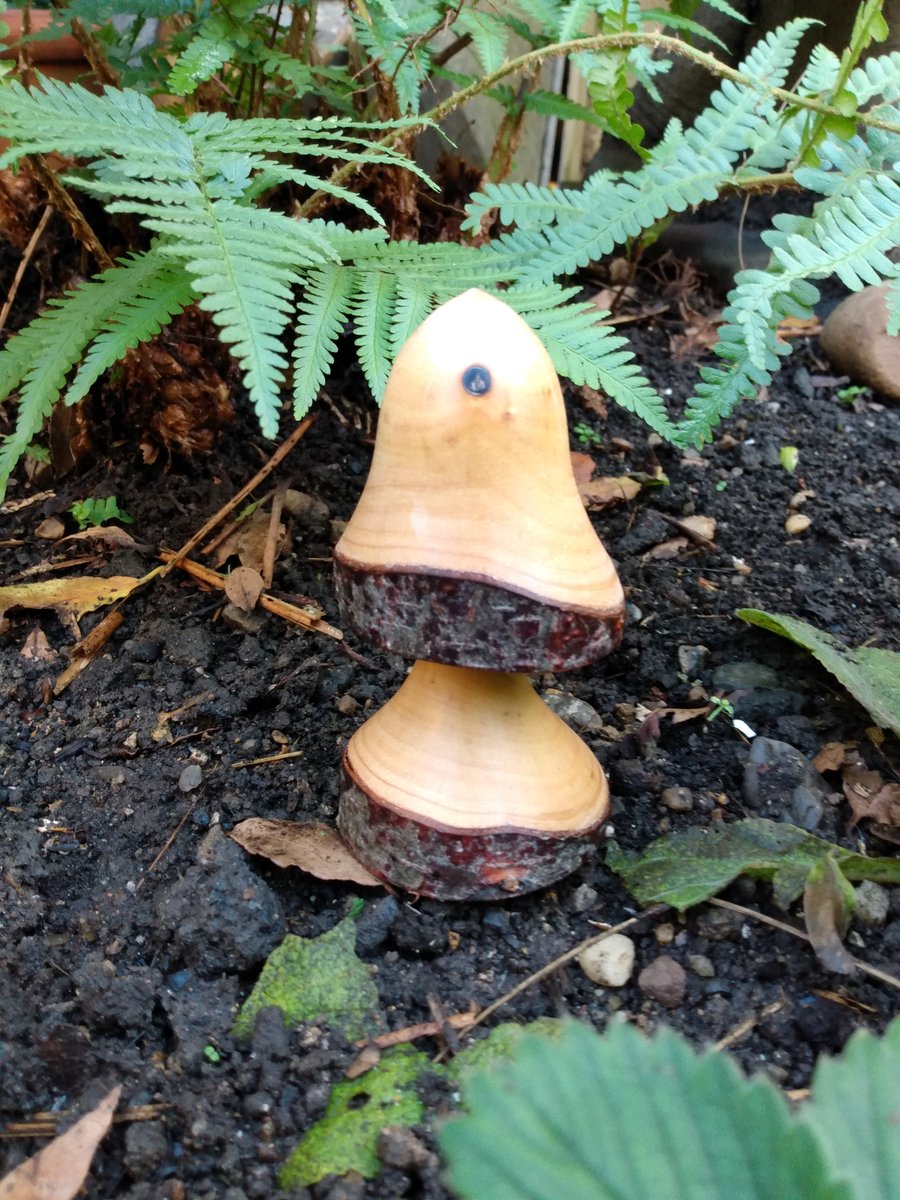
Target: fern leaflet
x=321 y=314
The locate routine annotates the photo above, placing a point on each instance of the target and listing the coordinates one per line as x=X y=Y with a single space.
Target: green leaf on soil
x=314 y=979
x=624 y=1117
x=346 y=1137
x=500 y=1045
x=855 y=1113
x=869 y=674
x=687 y=868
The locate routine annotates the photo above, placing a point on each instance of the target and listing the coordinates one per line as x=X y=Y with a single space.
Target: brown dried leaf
x=51 y=529
x=670 y=549
x=113 y=536
x=310 y=845
x=704 y=526
x=582 y=466
x=605 y=491
x=248 y=541
x=831 y=756
x=37 y=648
x=243 y=587
x=592 y=400
x=59 y=1170
x=71 y=598
x=701 y=333
x=870 y=798
x=826 y=912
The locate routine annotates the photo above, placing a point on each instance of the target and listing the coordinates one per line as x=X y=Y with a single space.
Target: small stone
x=691 y=659
x=872 y=904
x=400 y=1147
x=718 y=924
x=797 y=523
x=142 y=650
x=732 y=676
x=583 y=898
x=609 y=963
x=678 y=799
x=701 y=965
x=249 y=623
x=576 y=713
x=146 y=1148
x=856 y=340
x=190 y=778
x=664 y=980
x=777 y=776
x=664 y=934
x=347 y=705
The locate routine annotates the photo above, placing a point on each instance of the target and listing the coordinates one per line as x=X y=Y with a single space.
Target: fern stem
x=67 y=208
x=604 y=41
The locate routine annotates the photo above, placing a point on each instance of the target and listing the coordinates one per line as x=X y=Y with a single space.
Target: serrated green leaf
x=683 y=869
x=625 y=1118
x=854 y=1113
x=871 y=675
x=313 y=979
x=346 y=1137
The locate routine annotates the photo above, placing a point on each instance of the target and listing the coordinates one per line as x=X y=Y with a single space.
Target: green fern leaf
x=205 y=54
x=37 y=361
x=374 y=312
x=326 y=305
x=877 y=76
x=590 y=353
x=415 y=300
x=489 y=36
x=154 y=301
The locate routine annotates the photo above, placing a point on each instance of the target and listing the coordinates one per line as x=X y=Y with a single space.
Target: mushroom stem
x=465 y=785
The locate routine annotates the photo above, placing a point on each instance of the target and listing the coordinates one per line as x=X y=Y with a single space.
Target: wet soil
x=130 y=928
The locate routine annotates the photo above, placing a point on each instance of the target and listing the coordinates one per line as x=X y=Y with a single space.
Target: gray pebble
x=583 y=898
x=691 y=659
x=374 y=924
x=190 y=778
x=777 y=776
x=718 y=924
x=701 y=965
x=872 y=904
x=576 y=713
x=142 y=650
x=678 y=799
x=745 y=674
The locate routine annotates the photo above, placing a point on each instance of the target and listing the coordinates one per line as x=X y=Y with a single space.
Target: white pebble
x=610 y=962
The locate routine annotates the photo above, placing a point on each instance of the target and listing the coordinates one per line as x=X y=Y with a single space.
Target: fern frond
x=321 y=314
x=155 y=299
x=72 y=120
x=877 y=76
x=526 y=205
x=37 y=361
x=373 y=310
x=590 y=353
x=206 y=53
x=892 y=300
x=489 y=36
x=415 y=300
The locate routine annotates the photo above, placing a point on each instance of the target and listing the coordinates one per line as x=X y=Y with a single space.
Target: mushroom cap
x=469 y=750
x=471 y=481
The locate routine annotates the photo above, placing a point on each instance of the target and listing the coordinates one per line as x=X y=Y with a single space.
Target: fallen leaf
x=592 y=400
x=605 y=491
x=59 y=1170
x=243 y=587
x=316 y=979
x=701 y=333
x=650 y=718
x=113 y=536
x=71 y=598
x=790 y=327
x=310 y=845
x=582 y=466
x=704 y=526
x=831 y=756
x=50 y=529
x=870 y=797
x=670 y=549
x=37 y=648
x=248 y=541
x=827 y=903
x=871 y=674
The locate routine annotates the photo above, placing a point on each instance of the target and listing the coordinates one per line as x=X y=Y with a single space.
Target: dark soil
x=130 y=928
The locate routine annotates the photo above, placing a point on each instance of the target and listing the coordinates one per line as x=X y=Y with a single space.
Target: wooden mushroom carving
x=471 y=552
x=470 y=544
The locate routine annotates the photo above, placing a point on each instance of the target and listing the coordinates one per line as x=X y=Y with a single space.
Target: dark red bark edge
x=465 y=622
x=452 y=864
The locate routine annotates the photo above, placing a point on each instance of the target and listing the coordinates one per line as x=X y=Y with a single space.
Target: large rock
x=856 y=340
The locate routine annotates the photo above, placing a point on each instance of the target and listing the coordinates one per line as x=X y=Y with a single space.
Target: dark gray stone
x=780 y=779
